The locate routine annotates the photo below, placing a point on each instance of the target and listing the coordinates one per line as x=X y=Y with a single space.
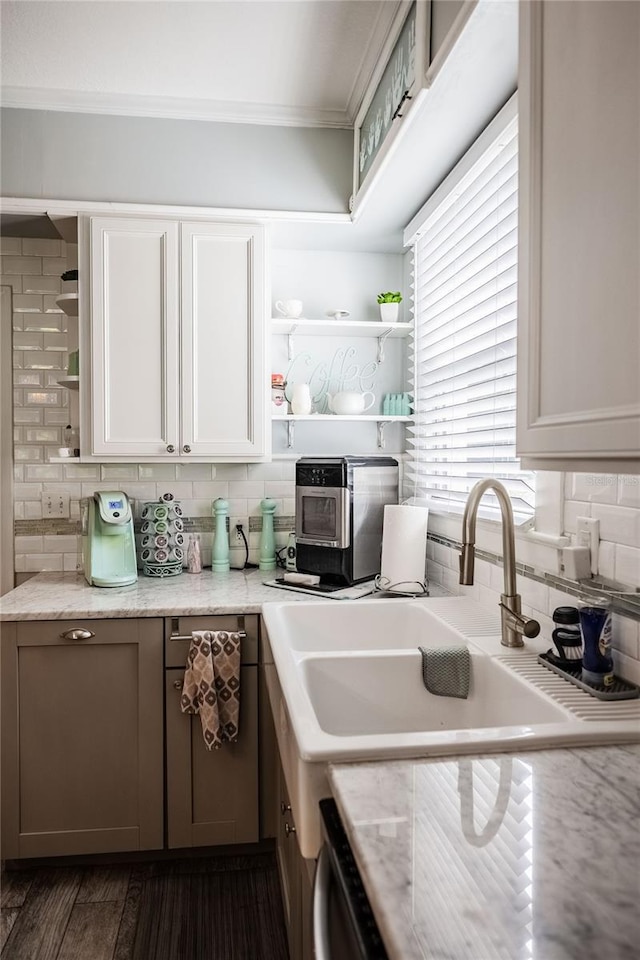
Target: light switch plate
x=55 y=505
x=588 y=530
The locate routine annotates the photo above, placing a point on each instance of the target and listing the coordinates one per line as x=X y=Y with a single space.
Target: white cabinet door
x=134 y=338
x=579 y=309
x=224 y=371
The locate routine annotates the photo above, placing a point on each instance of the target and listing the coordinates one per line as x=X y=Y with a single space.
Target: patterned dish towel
x=446 y=671
x=211 y=685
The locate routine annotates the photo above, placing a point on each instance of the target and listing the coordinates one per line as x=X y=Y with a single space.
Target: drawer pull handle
x=284 y=807
x=177 y=684
x=171 y=448
x=288 y=829
x=78 y=633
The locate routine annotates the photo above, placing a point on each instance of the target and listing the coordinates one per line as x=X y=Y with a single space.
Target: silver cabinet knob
x=171 y=448
x=78 y=633
x=288 y=829
x=187 y=448
x=177 y=684
x=284 y=807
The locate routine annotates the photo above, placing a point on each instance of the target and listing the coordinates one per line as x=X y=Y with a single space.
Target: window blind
x=465 y=263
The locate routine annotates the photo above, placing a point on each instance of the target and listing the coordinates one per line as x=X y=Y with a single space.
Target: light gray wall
x=77 y=156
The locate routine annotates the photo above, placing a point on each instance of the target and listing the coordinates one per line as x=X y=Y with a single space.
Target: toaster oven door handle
x=319 y=543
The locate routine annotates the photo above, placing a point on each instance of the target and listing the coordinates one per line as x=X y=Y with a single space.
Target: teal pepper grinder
x=220 y=554
x=267 y=537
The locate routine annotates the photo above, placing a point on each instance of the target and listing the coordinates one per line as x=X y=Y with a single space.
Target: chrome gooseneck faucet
x=514 y=624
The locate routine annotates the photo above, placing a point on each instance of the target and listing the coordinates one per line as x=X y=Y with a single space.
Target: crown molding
x=173 y=108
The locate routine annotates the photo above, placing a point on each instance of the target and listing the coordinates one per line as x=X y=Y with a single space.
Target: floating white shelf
x=71 y=383
x=373 y=418
x=69 y=303
x=378 y=418
x=340 y=328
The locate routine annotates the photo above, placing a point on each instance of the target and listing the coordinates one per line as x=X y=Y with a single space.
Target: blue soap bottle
x=595 y=626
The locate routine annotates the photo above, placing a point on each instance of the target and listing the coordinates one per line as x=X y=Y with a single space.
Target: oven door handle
x=321 y=946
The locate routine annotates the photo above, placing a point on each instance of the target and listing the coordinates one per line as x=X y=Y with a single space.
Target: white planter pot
x=389 y=312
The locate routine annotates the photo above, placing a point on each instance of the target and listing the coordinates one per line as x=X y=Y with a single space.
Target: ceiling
x=298 y=62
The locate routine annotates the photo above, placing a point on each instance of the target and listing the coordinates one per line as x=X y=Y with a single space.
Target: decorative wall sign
x=395 y=84
x=341 y=372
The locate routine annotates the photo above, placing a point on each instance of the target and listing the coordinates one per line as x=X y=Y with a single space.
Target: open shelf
x=372 y=418
x=71 y=383
x=69 y=303
x=340 y=328
x=64 y=460
x=380 y=419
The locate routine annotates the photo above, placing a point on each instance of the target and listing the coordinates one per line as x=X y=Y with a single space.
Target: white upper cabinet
x=135 y=345
x=223 y=340
x=177 y=345
x=579 y=287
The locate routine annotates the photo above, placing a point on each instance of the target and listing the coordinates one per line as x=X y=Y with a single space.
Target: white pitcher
x=348 y=403
x=300 y=399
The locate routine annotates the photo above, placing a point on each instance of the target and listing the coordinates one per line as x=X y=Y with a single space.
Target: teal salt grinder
x=220 y=554
x=267 y=536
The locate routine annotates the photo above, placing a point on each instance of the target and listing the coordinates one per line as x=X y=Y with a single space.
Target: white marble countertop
x=530 y=856
x=60 y=596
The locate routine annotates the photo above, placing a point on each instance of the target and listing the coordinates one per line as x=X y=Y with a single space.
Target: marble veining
x=527 y=856
x=61 y=596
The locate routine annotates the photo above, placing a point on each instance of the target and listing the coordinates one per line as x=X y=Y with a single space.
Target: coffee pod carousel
x=162 y=537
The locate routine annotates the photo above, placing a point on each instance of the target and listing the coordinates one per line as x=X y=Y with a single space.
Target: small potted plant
x=389 y=303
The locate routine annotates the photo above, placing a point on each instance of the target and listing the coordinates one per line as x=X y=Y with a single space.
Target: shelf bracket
x=381 y=425
x=381 y=342
x=290 y=342
x=290 y=433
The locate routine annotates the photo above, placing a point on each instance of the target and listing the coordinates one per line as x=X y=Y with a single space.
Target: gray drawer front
x=176 y=650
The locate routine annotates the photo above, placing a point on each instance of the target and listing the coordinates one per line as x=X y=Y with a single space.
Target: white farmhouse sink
x=360 y=625
x=345 y=683
x=384 y=694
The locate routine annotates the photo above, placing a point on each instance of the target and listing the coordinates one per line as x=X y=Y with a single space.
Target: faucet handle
x=517 y=622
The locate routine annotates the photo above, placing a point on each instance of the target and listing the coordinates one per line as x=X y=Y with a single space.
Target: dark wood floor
x=201 y=908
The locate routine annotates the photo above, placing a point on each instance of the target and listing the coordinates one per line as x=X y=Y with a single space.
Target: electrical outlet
x=234 y=535
x=588 y=535
x=55 y=505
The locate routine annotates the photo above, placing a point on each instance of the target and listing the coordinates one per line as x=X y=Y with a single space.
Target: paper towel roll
x=404 y=548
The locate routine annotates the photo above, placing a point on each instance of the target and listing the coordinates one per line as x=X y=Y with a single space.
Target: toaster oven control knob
x=171 y=448
x=187 y=448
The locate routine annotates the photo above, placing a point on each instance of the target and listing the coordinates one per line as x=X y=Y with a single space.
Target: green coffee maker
x=108 y=541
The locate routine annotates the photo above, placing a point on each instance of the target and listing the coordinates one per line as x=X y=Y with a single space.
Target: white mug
x=301 y=399
x=292 y=309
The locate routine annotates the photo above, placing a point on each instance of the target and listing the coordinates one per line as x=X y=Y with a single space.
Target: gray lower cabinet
x=212 y=796
x=82 y=745
x=296 y=880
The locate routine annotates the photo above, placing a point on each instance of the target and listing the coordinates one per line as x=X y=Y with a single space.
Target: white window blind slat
x=490 y=223
x=471 y=324
x=463 y=203
x=477 y=379
x=465 y=263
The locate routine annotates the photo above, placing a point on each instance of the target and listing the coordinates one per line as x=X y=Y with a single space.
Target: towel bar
x=176 y=635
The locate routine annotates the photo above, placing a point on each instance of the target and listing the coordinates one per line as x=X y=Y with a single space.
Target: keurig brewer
x=108 y=541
